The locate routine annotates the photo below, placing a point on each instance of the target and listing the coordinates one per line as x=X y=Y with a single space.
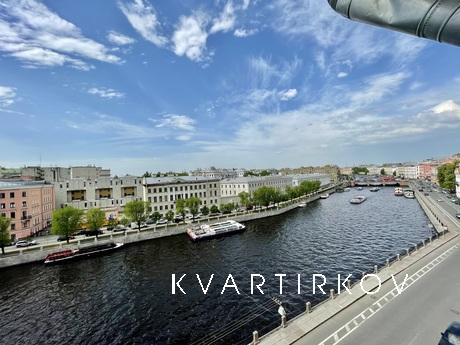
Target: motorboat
x=374 y=189
x=324 y=196
x=73 y=254
x=302 y=204
x=358 y=199
x=398 y=191
x=409 y=194
x=205 y=231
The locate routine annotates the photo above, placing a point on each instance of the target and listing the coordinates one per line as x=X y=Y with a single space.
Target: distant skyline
x=138 y=85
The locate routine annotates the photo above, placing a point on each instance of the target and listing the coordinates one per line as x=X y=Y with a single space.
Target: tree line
x=446 y=175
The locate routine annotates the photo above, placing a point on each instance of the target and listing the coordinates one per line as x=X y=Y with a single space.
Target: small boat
x=302 y=204
x=409 y=194
x=358 y=199
x=73 y=254
x=347 y=189
x=324 y=196
x=398 y=191
x=359 y=188
x=206 y=231
x=374 y=189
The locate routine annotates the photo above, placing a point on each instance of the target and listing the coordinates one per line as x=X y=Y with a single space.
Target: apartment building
x=407 y=172
x=163 y=192
x=218 y=173
x=28 y=204
x=108 y=193
x=60 y=174
x=231 y=188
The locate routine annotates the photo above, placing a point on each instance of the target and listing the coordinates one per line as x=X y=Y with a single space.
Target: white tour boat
x=358 y=199
x=205 y=231
x=409 y=194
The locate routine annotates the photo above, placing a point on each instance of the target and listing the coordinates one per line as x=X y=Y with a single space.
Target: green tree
x=95 y=218
x=214 y=209
x=265 y=195
x=5 y=237
x=112 y=222
x=382 y=171
x=193 y=205
x=181 y=208
x=66 y=221
x=156 y=216
x=264 y=173
x=169 y=215
x=136 y=211
x=147 y=174
x=124 y=221
x=227 y=208
x=244 y=199
x=394 y=173
x=446 y=175
x=204 y=210
x=360 y=171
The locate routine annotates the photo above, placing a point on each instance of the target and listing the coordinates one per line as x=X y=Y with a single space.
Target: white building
x=107 y=193
x=60 y=174
x=325 y=179
x=457 y=181
x=162 y=192
x=230 y=188
x=407 y=171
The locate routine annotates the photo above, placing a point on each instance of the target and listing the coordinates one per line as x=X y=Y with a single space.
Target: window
x=2 y=195
x=12 y=205
x=2 y=206
x=13 y=226
x=13 y=215
x=24 y=194
x=12 y=195
x=24 y=204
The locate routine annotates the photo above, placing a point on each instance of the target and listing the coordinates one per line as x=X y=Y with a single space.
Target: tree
x=360 y=171
x=5 y=238
x=95 y=218
x=446 y=175
x=227 y=208
x=244 y=199
x=181 y=208
x=66 y=221
x=214 y=209
x=382 y=171
x=394 y=173
x=147 y=174
x=112 y=222
x=124 y=221
x=204 y=210
x=169 y=216
x=156 y=216
x=193 y=205
x=265 y=195
x=136 y=211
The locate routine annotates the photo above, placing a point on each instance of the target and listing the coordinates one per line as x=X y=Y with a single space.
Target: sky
x=143 y=85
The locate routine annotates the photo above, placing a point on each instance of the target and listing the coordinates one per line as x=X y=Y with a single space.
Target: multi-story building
x=59 y=174
x=332 y=170
x=407 y=172
x=163 y=192
x=108 y=193
x=231 y=188
x=298 y=179
x=457 y=181
x=28 y=204
x=425 y=170
x=217 y=173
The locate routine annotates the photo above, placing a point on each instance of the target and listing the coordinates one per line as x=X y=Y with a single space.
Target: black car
x=64 y=238
x=458 y=215
x=451 y=336
x=93 y=232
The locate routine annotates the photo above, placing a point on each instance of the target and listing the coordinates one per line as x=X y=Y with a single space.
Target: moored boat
x=359 y=188
x=358 y=199
x=409 y=194
x=73 y=254
x=206 y=231
x=324 y=196
x=302 y=204
x=374 y=189
x=398 y=191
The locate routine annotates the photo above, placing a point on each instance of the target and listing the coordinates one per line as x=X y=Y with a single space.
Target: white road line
x=394 y=292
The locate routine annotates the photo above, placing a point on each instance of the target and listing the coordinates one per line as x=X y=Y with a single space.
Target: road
x=415 y=317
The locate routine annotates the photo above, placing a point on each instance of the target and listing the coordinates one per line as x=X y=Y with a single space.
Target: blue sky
x=139 y=85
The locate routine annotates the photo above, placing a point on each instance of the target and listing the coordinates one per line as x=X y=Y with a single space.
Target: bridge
x=416 y=314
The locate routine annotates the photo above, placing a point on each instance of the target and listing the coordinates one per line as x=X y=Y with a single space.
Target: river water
x=125 y=297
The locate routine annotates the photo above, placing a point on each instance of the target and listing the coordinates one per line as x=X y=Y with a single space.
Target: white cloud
x=190 y=37
x=105 y=92
x=119 y=39
x=342 y=75
x=446 y=107
x=287 y=95
x=7 y=95
x=143 y=18
x=226 y=20
x=32 y=33
x=241 y=32
x=174 y=121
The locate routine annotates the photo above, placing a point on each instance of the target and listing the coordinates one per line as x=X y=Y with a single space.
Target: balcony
x=26 y=217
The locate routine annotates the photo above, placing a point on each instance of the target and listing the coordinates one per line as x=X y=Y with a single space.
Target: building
x=60 y=174
x=217 y=173
x=108 y=193
x=163 y=192
x=332 y=170
x=457 y=181
x=407 y=172
x=231 y=188
x=298 y=179
x=426 y=170
x=29 y=205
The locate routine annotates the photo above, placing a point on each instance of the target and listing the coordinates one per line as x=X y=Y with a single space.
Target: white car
x=21 y=244
x=440 y=200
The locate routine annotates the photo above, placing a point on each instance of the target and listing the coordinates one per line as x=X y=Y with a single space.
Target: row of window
x=61 y=185
x=12 y=195
x=12 y=205
x=171 y=207
x=180 y=188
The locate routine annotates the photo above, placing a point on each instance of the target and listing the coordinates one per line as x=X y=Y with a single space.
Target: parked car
x=21 y=244
x=162 y=221
x=458 y=215
x=440 y=200
x=149 y=221
x=451 y=336
x=93 y=232
x=119 y=228
x=33 y=243
x=426 y=194
x=64 y=238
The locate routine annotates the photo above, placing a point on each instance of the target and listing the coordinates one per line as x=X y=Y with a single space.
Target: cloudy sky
x=139 y=85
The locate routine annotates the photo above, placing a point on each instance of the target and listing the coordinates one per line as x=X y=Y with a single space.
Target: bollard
x=348 y=284
x=376 y=269
x=283 y=321
x=308 y=307
x=423 y=244
x=431 y=240
x=363 y=275
x=398 y=257
x=407 y=252
x=332 y=293
x=388 y=262
x=255 y=338
x=416 y=247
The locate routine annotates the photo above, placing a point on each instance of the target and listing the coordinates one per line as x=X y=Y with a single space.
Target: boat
x=358 y=199
x=205 y=231
x=302 y=204
x=374 y=189
x=324 y=196
x=409 y=194
x=398 y=191
x=347 y=189
x=359 y=188
x=73 y=254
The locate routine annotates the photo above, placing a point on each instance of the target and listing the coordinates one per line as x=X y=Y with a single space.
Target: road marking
x=387 y=298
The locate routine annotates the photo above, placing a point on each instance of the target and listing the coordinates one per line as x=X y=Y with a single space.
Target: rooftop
x=177 y=180
x=16 y=184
